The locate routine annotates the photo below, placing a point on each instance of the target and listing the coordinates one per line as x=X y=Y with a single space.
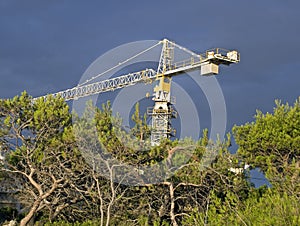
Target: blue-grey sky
x=45 y=46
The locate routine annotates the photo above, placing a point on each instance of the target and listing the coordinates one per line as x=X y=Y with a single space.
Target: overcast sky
x=46 y=46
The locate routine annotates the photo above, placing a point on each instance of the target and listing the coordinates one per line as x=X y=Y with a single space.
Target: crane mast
x=162 y=112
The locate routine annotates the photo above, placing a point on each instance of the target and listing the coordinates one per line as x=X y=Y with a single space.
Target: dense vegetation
x=56 y=184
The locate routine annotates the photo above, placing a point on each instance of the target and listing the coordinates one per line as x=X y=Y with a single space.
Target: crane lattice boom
x=107 y=85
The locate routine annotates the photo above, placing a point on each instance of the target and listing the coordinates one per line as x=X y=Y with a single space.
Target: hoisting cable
x=119 y=64
x=185 y=49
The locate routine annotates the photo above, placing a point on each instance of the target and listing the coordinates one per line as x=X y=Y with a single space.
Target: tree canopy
x=199 y=182
x=272 y=144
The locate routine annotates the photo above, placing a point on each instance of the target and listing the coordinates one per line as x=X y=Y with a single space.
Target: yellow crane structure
x=162 y=111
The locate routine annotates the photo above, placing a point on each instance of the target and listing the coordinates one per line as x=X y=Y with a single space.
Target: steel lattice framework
x=107 y=85
x=162 y=112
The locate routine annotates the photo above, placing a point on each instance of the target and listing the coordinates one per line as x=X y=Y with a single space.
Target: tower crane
x=162 y=111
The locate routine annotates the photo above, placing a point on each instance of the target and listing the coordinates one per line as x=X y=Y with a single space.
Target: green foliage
x=63 y=223
x=7 y=214
x=140 y=130
x=42 y=154
x=261 y=208
x=196 y=185
x=272 y=143
x=272 y=208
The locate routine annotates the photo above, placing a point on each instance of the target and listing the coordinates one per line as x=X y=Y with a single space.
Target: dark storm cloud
x=45 y=46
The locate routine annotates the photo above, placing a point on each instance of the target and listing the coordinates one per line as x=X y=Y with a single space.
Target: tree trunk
x=31 y=213
x=100 y=198
x=113 y=194
x=172 y=200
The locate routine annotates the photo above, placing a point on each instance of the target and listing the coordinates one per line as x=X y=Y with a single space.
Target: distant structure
x=1 y=154
x=8 y=190
x=239 y=170
x=7 y=196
